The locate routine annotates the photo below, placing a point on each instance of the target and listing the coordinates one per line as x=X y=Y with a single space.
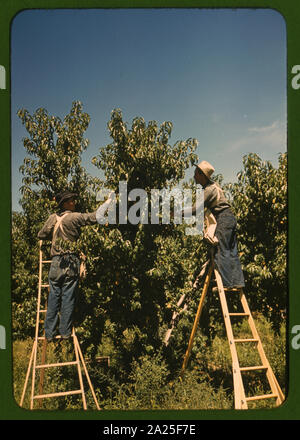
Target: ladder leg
x=86 y=372
x=28 y=372
x=33 y=375
x=239 y=392
x=43 y=360
x=37 y=325
x=270 y=375
x=42 y=373
x=181 y=300
x=173 y=320
x=199 y=311
x=79 y=371
x=35 y=344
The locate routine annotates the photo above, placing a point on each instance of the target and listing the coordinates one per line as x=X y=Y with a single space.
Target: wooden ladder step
x=263 y=396
x=47 y=261
x=63 y=393
x=239 y=314
x=45 y=285
x=257 y=367
x=226 y=289
x=61 y=364
x=43 y=311
x=246 y=340
x=43 y=337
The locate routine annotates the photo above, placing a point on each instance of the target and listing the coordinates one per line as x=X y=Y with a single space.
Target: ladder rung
x=62 y=364
x=63 y=393
x=226 y=289
x=258 y=367
x=47 y=261
x=45 y=285
x=43 y=311
x=239 y=314
x=246 y=340
x=55 y=337
x=263 y=396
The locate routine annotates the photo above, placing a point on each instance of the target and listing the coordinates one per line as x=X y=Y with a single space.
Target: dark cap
x=63 y=196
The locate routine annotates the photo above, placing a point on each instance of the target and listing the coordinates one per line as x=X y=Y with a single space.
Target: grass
x=206 y=384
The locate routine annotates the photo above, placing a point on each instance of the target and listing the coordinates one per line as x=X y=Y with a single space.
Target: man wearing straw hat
x=226 y=253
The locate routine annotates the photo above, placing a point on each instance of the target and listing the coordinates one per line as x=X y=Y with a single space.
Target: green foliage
x=54 y=147
x=137 y=273
x=137 y=270
x=151 y=384
x=150 y=389
x=142 y=155
x=24 y=279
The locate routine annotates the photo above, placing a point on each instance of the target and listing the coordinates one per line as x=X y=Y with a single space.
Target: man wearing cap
x=64 y=269
x=226 y=253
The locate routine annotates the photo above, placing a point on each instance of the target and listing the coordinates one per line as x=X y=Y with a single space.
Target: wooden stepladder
x=37 y=362
x=240 y=398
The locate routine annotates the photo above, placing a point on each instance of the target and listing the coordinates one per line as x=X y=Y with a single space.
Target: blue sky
x=219 y=75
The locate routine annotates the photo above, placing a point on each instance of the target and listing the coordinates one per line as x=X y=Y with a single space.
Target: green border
x=290 y=410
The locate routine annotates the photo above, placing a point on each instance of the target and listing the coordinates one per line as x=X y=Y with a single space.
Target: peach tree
x=53 y=161
x=135 y=272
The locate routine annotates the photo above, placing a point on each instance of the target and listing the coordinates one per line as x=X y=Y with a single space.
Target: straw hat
x=206 y=168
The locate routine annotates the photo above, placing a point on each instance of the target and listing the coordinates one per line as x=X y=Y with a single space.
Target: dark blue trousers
x=63 y=281
x=226 y=253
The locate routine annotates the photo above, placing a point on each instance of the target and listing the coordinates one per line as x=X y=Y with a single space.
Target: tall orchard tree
x=138 y=272
x=53 y=162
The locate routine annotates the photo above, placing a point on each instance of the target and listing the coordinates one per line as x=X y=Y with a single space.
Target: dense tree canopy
x=137 y=273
